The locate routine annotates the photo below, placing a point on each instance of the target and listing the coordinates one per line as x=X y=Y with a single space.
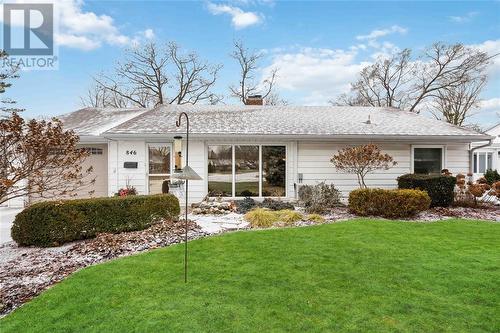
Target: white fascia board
x=412 y=138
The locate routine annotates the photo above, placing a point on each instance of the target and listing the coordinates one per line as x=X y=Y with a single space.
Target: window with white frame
x=94 y=150
x=159 y=164
x=428 y=159
x=247 y=170
x=482 y=161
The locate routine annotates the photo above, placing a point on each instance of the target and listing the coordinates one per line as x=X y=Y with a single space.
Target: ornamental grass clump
x=289 y=216
x=261 y=218
x=316 y=218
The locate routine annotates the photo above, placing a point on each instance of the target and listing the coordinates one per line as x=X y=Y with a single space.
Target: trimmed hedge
x=388 y=203
x=53 y=223
x=439 y=187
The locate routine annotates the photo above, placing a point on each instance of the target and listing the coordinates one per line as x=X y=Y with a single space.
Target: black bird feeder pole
x=178 y=124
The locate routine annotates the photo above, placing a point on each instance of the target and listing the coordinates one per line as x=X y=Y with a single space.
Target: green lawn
x=356 y=276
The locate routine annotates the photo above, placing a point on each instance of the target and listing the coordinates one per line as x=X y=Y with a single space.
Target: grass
x=356 y=276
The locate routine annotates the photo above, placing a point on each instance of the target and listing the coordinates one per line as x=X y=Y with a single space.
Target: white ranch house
x=259 y=151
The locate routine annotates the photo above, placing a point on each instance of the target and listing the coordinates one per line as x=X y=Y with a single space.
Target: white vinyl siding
x=457 y=158
x=119 y=176
x=314 y=163
x=197 y=161
x=309 y=158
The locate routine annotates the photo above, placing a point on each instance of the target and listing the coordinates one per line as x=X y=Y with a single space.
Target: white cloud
x=315 y=75
x=149 y=34
x=492 y=48
x=492 y=104
x=377 y=33
x=85 y=30
x=488 y=113
x=239 y=18
x=78 y=42
x=463 y=19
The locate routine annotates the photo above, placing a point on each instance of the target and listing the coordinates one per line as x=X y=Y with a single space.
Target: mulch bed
x=27 y=271
x=490 y=213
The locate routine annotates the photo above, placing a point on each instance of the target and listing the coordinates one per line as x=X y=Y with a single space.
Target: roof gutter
x=333 y=137
x=471 y=156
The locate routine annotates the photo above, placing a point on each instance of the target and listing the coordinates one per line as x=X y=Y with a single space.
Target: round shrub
x=53 y=223
x=439 y=187
x=388 y=203
x=319 y=198
x=491 y=176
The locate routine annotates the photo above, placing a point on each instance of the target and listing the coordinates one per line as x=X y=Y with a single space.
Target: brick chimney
x=254 y=100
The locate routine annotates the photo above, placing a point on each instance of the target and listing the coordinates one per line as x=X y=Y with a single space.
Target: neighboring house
x=486 y=155
x=260 y=151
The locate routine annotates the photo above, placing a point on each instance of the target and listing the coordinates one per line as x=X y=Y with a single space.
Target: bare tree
x=446 y=67
x=248 y=61
x=98 y=96
x=275 y=99
x=382 y=83
x=153 y=75
x=456 y=103
x=399 y=82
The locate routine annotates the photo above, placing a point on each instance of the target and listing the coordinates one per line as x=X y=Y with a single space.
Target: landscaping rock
x=213 y=207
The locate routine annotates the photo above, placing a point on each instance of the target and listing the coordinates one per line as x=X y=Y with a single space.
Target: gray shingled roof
x=272 y=120
x=95 y=121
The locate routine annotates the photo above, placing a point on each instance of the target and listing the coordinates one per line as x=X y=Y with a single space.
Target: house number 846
x=131 y=152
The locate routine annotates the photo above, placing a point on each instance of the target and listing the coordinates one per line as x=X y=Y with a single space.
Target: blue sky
x=318 y=46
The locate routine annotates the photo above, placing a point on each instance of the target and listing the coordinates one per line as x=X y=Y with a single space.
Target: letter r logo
x=36 y=21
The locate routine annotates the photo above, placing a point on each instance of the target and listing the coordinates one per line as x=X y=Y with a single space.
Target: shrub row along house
x=260 y=151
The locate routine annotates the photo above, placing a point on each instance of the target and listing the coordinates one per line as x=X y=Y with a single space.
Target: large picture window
x=427 y=160
x=273 y=171
x=159 y=158
x=247 y=170
x=220 y=170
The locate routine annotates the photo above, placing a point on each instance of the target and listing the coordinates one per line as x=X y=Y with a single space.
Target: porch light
x=187 y=174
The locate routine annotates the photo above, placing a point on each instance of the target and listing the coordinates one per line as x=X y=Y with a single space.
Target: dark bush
x=245 y=205
x=53 y=223
x=276 y=204
x=492 y=176
x=388 y=203
x=319 y=198
x=439 y=187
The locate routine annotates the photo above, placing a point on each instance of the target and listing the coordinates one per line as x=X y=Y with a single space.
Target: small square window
x=427 y=160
